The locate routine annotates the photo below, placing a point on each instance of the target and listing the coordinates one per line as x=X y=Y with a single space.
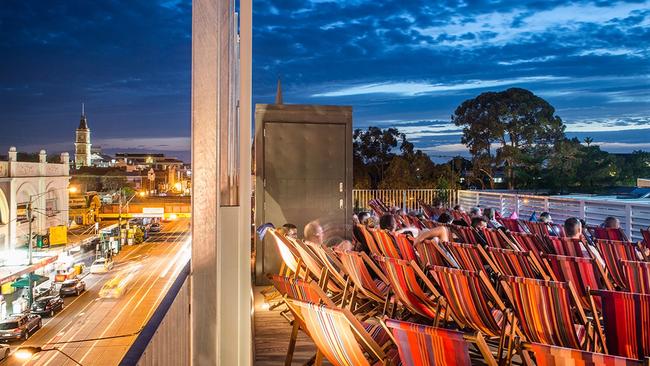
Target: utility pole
x=30 y=218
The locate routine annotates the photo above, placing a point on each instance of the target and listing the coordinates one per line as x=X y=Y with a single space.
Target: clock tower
x=82 y=142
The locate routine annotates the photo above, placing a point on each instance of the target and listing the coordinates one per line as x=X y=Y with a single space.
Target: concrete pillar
x=42 y=156
x=12 y=154
x=65 y=160
x=12 y=157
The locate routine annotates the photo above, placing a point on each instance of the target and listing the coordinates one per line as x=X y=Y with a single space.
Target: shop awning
x=24 y=281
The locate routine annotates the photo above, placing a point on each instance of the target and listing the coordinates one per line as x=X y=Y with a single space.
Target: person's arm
x=436 y=232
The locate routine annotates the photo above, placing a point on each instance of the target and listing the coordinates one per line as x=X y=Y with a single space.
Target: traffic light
x=39 y=241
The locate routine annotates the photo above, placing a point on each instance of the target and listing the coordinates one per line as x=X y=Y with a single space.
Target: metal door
x=304 y=178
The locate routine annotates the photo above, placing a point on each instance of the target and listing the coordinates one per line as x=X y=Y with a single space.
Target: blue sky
x=398 y=63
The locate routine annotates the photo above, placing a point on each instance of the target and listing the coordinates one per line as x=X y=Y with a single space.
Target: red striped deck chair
x=345 y=341
x=514 y=225
x=516 y=263
x=466 y=234
x=459 y=215
x=315 y=265
x=471 y=257
x=386 y=243
x=583 y=273
x=546 y=355
x=404 y=278
x=609 y=234
x=429 y=211
x=422 y=345
x=532 y=243
x=645 y=234
x=429 y=254
x=636 y=276
x=626 y=318
x=378 y=207
x=613 y=251
x=330 y=260
x=538 y=228
x=405 y=245
x=567 y=246
x=543 y=309
x=358 y=266
x=369 y=239
x=287 y=251
x=297 y=289
x=498 y=239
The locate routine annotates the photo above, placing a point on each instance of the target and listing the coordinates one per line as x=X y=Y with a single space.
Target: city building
x=100 y=159
x=82 y=145
x=43 y=184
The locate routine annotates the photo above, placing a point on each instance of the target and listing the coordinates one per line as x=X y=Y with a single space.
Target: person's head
x=573 y=228
x=545 y=217
x=488 y=213
x=612 y=222
x=314 y=232
x=475 y=212
x=458 y=208
x=387 y=222
x=479 y=222
x=438 y=204
x=445 y=218
x=363 y=216
x=291 y=230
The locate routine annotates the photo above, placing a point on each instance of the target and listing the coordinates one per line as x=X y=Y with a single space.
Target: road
x=154 y=265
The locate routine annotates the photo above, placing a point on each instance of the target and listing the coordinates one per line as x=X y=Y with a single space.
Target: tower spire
x=278 y=93
x=83 y=113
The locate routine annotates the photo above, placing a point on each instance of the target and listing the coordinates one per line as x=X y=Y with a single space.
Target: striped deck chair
x=609 y=234
x=516 y=263
x=613 y=251
x=386 y=243
x=467 y=234
x=297 y=289
x=538 y=228
x=422 y=345
x=317 y=268
x=514 y=225
x=636 y=276
x=475 y=304
x=645 y=234
x=345 y=341
x=626 y=318
x=471 y=257
x=405 y=245
x=567 y=246
x=543 y=309
x=498 y=239
x=287 y=251
x=546 y=355
x=368 y=239
x=459 y=215
x=583 y=273
x=404 y=278
x=535 y=244
x=429 y=254
x=373 y=287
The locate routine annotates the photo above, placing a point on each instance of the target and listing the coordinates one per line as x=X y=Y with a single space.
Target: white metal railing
x=407 y=199
x=633 y=214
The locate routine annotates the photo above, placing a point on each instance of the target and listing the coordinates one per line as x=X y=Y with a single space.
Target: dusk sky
x=398 y=63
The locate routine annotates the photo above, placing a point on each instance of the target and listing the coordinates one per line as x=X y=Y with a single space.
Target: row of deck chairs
x=542 y=300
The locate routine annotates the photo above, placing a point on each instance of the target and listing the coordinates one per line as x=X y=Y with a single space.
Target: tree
x=373 y=149
x=588 y=140
x=515 y=120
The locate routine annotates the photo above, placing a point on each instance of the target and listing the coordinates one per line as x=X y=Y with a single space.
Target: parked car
x=4 y=352
x=44 y=291
x=74 y=286
x=155 y=227
x=19 y=326
x=101 y=265
x=47 y=305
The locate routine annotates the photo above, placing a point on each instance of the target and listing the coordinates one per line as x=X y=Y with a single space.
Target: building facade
x=82 y=145
x=43 y=184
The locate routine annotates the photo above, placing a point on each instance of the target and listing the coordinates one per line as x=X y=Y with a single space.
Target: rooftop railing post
x=628 y=220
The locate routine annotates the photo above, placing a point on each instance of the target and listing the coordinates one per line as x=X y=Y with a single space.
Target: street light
x=73 y=189
x=26 y=353
x=141 y=193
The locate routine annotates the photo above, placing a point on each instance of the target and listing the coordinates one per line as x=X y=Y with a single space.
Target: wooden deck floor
x=271 y=337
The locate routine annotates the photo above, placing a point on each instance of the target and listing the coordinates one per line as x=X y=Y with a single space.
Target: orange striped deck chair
x=429 y=254
x=369 y=239
x=544 y=310
x=358 y=266
x=535 y=244
x=386 y=243
x=405 y=245
x=645 y=234
x=514 y=225
x=331 y=261
x=297 y=289
x=422 y=345
x=626 y=318
x=546 y=355
x=404 y=278
x=612 y=251
x=315 y=265
x=637 y=276
x=583 y=273
x=459 y=215
x=567 y=246
x=609 y=234
x=498 y=239
x=345 y=341
x=287 y=251
x=471 y=257
x=466 y=234
x=516 y=263
x=538 y=228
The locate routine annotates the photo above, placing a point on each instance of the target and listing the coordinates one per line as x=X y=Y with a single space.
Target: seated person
x=573 y=230
x=479 y=223
x=439 y=233
x=291 y=230
x=611 y=222
x=475 y=212
x=313 y=232
x=388 y=222
x=490 y=216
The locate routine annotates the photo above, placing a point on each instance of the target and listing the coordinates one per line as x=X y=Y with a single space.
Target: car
x=116 y=287
x=43 y=291
x=47 y=305
x=101 y=265
x=4 y=352
x=19 y=326
x=155 y=227
x=74 y=286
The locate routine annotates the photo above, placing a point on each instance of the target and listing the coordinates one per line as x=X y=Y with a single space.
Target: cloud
x=418 y=88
